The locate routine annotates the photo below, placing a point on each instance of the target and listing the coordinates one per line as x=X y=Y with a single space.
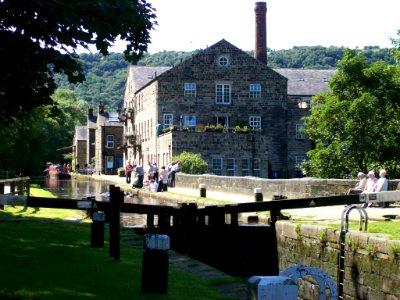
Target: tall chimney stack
x=260 y=51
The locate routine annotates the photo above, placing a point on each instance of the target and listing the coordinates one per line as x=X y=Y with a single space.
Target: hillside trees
x=105 y=80
x=40 y=38
x=356 y=124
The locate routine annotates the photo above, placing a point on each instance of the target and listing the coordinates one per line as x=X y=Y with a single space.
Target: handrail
x=15 y=186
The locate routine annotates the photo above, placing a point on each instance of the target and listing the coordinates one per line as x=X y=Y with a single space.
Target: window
x=109 y=162
x=298 y=160
x=223 y=121
x=255 y=122
x=257 y=167
x=190 y=90
x=217 y=165
x=305 y=103
x=223 y=93
x=230 y=167
x=255 y=91
x=245 y=167
x=110 y=141
x=168 y=120
x=223 y=61
x=299 y=132
x=308 y=102
x=189 y=121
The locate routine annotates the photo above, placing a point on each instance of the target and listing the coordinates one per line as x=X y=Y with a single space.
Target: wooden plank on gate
x=10 y=199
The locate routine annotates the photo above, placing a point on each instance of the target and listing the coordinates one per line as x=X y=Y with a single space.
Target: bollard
x=155 y=264
x=203 y=191
x=97 y=230
x=258 y=196
x=271 y=288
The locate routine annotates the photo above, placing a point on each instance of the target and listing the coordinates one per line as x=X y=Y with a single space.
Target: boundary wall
x=291 y=188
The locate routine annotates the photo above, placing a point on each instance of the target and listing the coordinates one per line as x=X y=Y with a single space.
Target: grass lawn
x=43 y=257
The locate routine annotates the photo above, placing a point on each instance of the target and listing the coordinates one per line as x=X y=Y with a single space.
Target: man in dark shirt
x=140 y=175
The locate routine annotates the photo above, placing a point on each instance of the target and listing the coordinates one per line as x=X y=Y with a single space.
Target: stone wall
x=372 y=264
x=291 y=188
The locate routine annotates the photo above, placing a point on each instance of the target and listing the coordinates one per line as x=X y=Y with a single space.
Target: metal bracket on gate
x=320 y=276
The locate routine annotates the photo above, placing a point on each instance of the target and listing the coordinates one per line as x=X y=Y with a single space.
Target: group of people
x=372 y=184
x=156 y=178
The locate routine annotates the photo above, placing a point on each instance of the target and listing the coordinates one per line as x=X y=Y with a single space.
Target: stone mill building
x=224 y=104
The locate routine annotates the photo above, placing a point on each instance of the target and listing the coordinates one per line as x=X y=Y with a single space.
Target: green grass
x=390 y=229
x=44 y=257
x=15 y=212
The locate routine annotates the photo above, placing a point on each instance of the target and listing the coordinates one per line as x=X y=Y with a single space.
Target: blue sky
x=187 y=25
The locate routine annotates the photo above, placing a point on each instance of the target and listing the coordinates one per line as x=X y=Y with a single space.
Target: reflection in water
x=80 y=189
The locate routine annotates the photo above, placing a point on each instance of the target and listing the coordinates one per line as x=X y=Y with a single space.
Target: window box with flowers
x=171 y=128
x=215 y=128
x=239 y=129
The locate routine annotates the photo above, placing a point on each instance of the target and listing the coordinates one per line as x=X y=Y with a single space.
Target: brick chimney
x=260 y=51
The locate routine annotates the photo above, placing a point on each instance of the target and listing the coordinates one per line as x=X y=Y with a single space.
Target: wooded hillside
x=106 y=76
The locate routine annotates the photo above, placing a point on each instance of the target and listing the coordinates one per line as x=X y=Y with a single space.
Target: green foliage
x=355 y=125
x=44 y=130
x=315 y=57
x=318 y=57
x=323 y=237
x=394 y=251
x=191 y=163
x=239 y=129
x=215 y=128
x=165 y=58
x=105 y=80
x=41 y=38
x=297 y=229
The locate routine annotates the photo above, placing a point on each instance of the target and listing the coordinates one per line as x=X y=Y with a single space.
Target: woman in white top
x=360 y=185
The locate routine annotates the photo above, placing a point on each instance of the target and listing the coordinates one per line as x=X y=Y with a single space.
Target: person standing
x=150 y=171
x=174 y=169
x=155 y=172
x=163 y=177
x=140 y=175
x=128 y=172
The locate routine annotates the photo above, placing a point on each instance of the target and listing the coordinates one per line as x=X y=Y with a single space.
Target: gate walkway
x=328 y=214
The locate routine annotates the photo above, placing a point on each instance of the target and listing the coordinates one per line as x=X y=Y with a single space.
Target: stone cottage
x=101 y=141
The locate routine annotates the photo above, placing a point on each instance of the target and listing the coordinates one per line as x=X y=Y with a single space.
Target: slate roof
x=143 y=75
x=300 y=81
x=306 y=82
x=104 y=119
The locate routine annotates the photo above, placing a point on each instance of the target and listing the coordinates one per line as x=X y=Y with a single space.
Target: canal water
x=81 y=189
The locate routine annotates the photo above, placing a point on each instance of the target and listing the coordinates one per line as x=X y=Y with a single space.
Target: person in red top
x=128 y=172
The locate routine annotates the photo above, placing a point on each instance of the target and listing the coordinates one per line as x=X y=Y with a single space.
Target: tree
x=355 y=125
x=191 y=163
x=44 y=130
x=39 y=38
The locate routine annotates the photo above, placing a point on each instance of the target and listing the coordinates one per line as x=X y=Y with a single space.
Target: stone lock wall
x=372 y=263
x=291 y=188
